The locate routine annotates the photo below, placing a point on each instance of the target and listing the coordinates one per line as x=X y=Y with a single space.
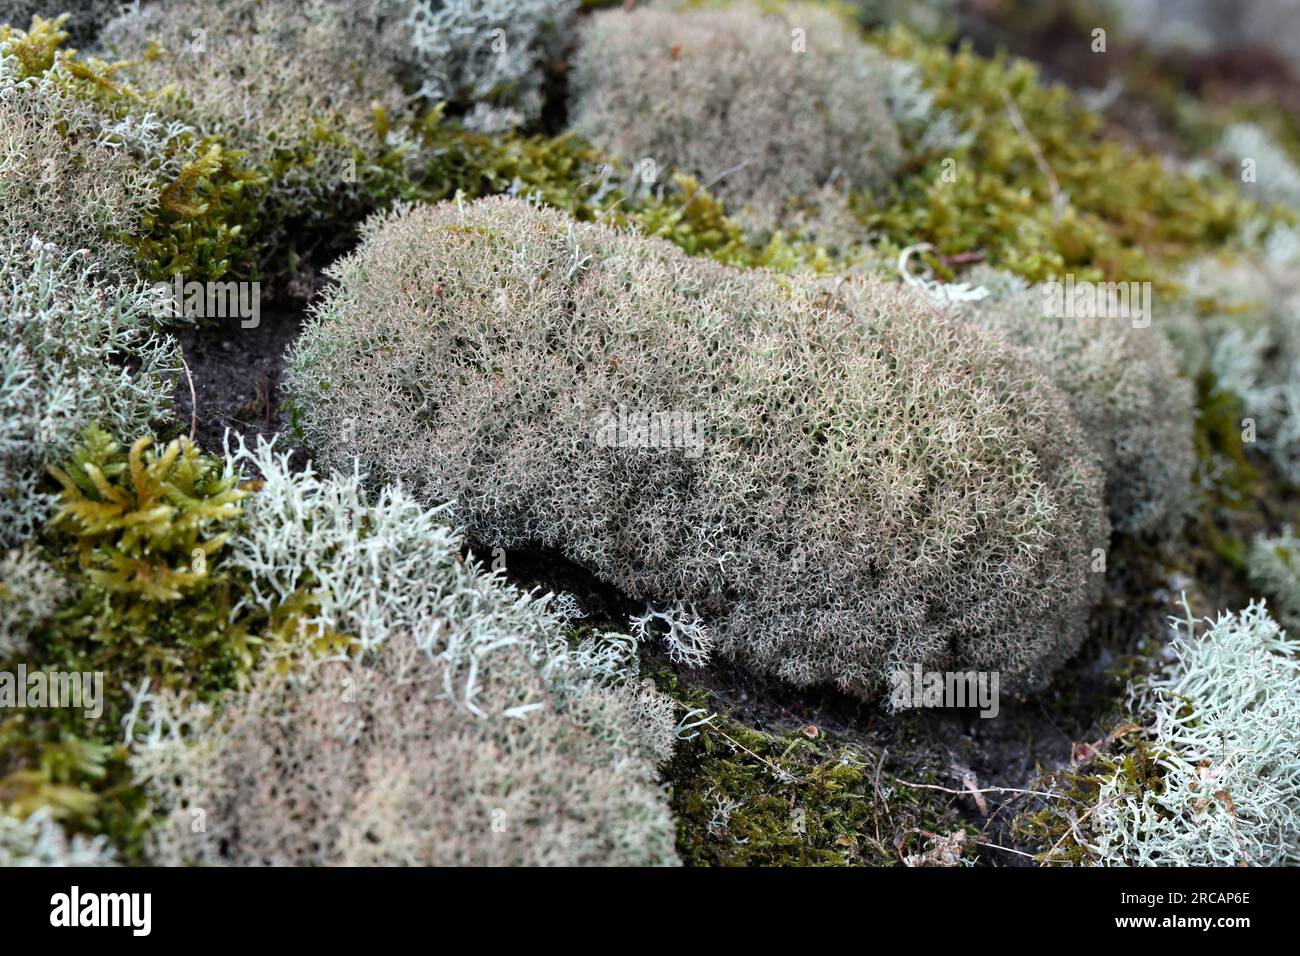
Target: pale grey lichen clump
x=30 y=592
x=1125 y=388
x=1273 y=562
x=79 y=350
x=488 y=55
x=462 y=726
x=685 y=638
x=1223 y=719
x=1251 y=343
x=878 y=484
x=38 y=840
x=766 y=109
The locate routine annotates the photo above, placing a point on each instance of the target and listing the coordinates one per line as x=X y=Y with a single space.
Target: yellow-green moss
x=143 y=529
x=139 y=537
x=1107 y=211
x=802 y=798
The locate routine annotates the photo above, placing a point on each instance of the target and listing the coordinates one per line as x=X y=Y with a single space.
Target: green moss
x=559 y=171
x=745 y=797
x=689 y=217
x=141 y=521
x=76 y=770
x=1105 y=212
x=205 y=223
x=139 y=537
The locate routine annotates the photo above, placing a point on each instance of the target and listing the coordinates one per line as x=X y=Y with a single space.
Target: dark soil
x=236 y=374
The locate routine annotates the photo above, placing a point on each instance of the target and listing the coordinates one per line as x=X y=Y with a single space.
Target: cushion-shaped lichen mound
x=346 y=763
x=840 y=479
x=1123 y=382
x=764 y=108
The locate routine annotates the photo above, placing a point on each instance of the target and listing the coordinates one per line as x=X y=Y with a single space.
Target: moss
x=36 y=48
x=747 y=797
x=1053 y=825
x=1106 y=211
x=77 y=771
x=205 y=222
x=140 y=522
x=691 y=218
x=794 y=798
x=560 y=171
x=139 y=536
